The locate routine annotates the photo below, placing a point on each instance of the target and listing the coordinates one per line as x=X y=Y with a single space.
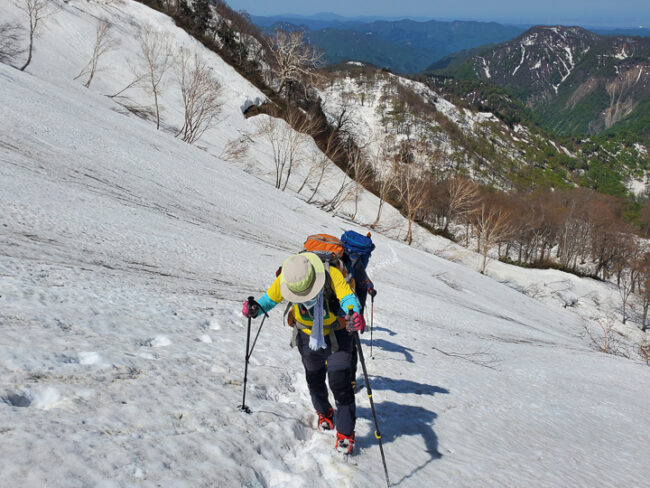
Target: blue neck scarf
x=317 y=337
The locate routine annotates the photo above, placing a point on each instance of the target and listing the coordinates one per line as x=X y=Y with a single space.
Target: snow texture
x=125 y=256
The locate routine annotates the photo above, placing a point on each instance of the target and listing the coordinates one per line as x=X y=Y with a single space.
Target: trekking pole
x=243 y=406
x=251 y=303
x=372 y=313
x=250 y=353
x=372 y=403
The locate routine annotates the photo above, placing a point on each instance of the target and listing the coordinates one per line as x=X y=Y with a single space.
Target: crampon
x=344 y=443
x=325 y=421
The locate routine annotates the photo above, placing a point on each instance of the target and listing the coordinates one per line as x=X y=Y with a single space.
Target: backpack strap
x=329 y=296
x=332 y=328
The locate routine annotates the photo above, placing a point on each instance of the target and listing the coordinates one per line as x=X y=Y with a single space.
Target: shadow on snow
x=376 y=328
x=387 y=346
x=404 y=386
x=396 y=420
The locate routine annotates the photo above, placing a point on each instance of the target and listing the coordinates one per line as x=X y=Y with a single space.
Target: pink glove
x=358 y=323
x=252 y=311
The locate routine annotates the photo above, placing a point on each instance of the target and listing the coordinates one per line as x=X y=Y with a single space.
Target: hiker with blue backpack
x=322 y=283
x=317 y=293
x=317 y=284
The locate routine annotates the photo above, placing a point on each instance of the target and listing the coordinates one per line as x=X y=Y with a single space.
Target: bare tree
x=384 y=180
x=293 y=59
x=314 y=167
x=601 y=342
x=411 y=184
x=462 y=197
x=607 y=340
x=156 y=56
x=492 y=225
x=10 y=37
x=287 y=140
x=103 y=44
x=644 y=351
x=626 y=284
x=36 y=11
x=341 y=196
x=318 y=164
x=362 y=173
x=236 y=150
x=136 y=81
x=573 y=227
x=643 y=287
x=335 y=151
x=201 y=95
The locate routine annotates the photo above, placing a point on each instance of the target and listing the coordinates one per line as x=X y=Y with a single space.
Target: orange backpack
x=324 y=244
x=329 y=249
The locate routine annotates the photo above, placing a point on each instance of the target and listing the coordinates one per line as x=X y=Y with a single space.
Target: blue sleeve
x=265 y=303
x=348 y=300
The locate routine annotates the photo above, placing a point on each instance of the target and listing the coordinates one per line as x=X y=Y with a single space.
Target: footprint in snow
x=158 y=341
x=44 y=399
x=210 y=324
x=17 y=398
x=66 y=359
x=91 y=358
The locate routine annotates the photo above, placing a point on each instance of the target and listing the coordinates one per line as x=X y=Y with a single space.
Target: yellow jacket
x=341 y=289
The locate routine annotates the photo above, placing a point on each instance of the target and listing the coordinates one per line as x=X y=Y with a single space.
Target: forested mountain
x=404 y=46
x=575 y=81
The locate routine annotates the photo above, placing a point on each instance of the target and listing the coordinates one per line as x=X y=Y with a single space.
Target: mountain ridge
x=577 y=81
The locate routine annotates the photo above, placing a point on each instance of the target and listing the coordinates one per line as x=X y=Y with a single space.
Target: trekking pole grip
x=348 y=319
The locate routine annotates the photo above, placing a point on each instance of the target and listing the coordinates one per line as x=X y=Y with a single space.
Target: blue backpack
x=358 y=247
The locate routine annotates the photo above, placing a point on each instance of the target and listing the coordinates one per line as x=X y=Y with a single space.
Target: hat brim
x=316 y=286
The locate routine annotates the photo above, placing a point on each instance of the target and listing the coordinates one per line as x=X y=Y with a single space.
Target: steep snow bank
x=125 y=255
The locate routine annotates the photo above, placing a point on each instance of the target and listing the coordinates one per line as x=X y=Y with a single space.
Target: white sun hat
x=302 y=277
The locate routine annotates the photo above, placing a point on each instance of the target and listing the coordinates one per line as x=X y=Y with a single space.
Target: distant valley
x=402 y=46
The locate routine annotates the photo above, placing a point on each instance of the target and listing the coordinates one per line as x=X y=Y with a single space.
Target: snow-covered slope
x=125 y=255
x=387 y=113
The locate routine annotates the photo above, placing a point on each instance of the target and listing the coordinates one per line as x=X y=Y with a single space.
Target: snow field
x=123 y=250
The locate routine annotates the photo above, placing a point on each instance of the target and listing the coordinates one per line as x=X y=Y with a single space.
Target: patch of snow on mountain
x=523 y=55
x=638 y=187
x=622 y=54
x=530 y=40
x=486 y=68
x=568 y=65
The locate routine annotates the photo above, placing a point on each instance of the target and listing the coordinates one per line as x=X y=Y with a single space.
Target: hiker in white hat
x=319 y=294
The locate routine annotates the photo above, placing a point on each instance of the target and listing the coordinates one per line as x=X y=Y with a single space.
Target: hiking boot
x=325 y=421
x=344 y=443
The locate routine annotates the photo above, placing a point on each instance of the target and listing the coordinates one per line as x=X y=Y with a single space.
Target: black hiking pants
x=338 y=369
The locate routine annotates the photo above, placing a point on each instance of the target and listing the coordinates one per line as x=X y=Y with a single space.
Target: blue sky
x=631 y=13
